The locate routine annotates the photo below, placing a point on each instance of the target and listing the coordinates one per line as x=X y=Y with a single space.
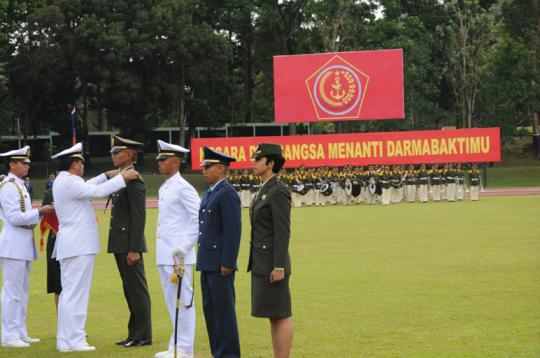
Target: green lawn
x=415 y=280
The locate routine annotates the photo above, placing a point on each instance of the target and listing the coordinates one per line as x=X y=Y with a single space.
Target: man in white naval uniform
x=77 y=241
x=177 y=233
x=17 y=249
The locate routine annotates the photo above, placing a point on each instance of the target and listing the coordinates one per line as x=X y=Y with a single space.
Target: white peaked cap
x=75 y=152
x=22 y=154
x=166 y=150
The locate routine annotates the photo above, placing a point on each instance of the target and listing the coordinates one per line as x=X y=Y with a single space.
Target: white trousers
x=451 y=191
x=411 y=193
x=474 y=193
x=436 y=192
x=423 y=193
x=15 y=291
x=386 y=196
x=296 y=199
x=443 y=191
x=394 y=195
x=309 y=197
x=371 y=198
x=318 y=197
x=245 y=198
x=459 y=191
x=186 y=316
x=76 y=277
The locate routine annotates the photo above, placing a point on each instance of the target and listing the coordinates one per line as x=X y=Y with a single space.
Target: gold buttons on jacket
x=264 y=246
x=202 y=221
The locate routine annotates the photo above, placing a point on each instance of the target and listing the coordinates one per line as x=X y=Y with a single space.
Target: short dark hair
x=278 y=160
x=64 y=164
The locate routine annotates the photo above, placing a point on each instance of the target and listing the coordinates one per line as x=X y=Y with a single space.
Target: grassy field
x=415 y=280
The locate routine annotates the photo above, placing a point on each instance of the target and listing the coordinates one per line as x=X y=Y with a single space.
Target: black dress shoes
x=124 y=342
x=138 y=343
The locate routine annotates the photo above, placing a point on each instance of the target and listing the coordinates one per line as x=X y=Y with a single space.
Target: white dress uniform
x=77 y=243
x=177 y=230
x=17 y=251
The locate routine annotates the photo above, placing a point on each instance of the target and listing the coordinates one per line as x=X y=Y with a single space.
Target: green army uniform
x=474 y=183
x=270 y=216
x=423 y=181
x=126 y=234
x=386 y=187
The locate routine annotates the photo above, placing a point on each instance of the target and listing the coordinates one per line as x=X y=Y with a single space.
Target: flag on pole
x=74 y=125
x=48 y=223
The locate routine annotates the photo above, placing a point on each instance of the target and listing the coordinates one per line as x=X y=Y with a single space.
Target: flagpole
x=73 y=117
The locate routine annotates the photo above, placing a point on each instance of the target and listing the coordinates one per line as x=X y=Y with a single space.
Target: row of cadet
x=378 y=184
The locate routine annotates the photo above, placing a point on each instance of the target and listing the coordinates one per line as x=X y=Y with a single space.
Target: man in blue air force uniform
x=220 y=227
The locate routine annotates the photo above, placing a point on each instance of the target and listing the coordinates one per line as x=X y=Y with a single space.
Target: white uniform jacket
x=17 y=239
x=178 y=220
x=78 y=230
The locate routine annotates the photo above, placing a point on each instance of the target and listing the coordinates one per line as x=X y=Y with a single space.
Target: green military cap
x=118 y=144
x=265 y=149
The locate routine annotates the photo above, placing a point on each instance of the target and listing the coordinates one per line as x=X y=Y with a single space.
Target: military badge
x=337 y=89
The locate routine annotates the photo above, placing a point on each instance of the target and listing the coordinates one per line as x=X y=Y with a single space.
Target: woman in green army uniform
x=269 y=261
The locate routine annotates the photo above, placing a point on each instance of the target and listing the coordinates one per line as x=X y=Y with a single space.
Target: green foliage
x=135 y=65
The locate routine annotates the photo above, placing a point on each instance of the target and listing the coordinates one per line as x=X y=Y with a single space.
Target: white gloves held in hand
x=178 y=252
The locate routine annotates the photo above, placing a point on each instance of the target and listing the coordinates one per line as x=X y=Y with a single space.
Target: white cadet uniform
x=178 y=229
x=17 y=251
x=77 y=243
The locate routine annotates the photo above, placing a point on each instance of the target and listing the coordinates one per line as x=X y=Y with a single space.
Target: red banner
x=339 y=86
x=415 y=147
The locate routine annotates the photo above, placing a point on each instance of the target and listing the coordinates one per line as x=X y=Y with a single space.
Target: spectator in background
x=49 y=183
x=29 y=188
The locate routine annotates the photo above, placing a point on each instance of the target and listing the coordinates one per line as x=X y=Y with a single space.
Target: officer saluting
x=220 y=230
x=127 y=243
x=78 y=241
x=17 y=249
x=177 y=232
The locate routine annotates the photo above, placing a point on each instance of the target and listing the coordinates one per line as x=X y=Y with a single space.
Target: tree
x=468 y=33
x=38 y=75
x=522 y=22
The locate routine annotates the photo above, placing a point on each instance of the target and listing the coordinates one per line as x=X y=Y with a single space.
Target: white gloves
x=178 y=252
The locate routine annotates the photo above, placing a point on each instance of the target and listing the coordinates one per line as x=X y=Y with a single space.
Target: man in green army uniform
x=423 y=181
x=127 y=243
x=386 y=186
x=474 y=182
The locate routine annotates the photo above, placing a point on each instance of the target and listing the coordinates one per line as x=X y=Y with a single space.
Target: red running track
x=152 y=203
